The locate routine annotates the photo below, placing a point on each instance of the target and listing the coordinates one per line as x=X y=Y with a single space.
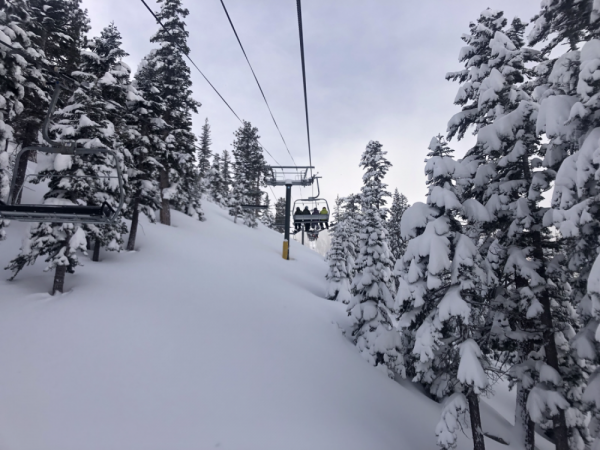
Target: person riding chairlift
x=324 y=211
x=315 y=223
x=297 y=225
x=306 y=211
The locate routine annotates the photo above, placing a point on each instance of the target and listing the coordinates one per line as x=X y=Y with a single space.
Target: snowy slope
x=202 y=338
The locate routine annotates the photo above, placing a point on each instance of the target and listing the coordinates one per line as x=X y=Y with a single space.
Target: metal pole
x=302 y=234
x=288 y=206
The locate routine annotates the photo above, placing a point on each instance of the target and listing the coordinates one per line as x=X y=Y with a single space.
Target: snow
x=553 y=116
x=550 y=375
x=452 y=305
x=416 y=216
x=204 y=337
x=470 y=371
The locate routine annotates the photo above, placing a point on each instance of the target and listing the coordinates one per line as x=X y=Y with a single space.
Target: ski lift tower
x=288 y=176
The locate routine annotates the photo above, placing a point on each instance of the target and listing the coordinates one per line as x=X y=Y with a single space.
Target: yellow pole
x=286 y=250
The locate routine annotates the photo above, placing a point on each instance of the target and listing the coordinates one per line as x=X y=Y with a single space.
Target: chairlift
x=312 y=203
x=96 y=214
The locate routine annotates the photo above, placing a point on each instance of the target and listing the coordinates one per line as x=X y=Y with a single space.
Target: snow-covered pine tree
x=215 y=181
x=350 y=217
x=204 y=154
x=266 y=218
x=397 y=244
x=441 y=298
x=105 y=68
x=372 y=302
x=338 y=276
x=226 y=173
x=172 y=79
x=249 y=170
x=141 y=136
x=56 y=33
x=502 y=174
x=279 y=224
x=14 y=19
x=567 y=93
x=83 y=119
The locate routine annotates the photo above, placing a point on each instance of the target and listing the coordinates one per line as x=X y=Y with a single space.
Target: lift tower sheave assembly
x=288 y=176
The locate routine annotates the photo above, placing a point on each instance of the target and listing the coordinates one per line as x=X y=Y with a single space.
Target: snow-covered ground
x=202 y=338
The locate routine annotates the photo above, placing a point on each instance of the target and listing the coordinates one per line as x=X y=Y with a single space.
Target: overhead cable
x=299 y=5
x=255 y=78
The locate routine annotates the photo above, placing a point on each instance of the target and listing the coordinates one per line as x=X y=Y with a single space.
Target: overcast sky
x=375 y=71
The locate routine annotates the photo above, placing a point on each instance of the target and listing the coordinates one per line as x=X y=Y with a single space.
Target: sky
x=375 y=71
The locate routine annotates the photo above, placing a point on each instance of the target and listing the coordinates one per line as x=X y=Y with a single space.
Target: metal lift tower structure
x=289 y=176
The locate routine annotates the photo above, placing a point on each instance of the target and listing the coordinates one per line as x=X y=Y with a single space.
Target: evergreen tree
x=525 y=270
x=215 y=184
x=397 y=244
x=441 y=299
x=226 y=173
x=73 y=180
x=372 y=304
x=172 y=78
x=568 y=89
x=56 y=34
x=350 y=217
x=141 y=136
x=249 y=170
x=279 y=224
x=266 y=217
x=338 y=276
x=14 y=20
x=204 y=154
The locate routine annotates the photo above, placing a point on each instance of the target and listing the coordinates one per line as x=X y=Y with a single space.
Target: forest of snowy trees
x=496 y=275
x=146 y=117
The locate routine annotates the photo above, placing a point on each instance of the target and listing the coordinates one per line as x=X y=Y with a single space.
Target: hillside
x=201 y=338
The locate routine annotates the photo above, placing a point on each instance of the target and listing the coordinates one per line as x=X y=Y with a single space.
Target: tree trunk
x=134 y=226
x=474 y=414
x=59 y=279
x=524 y=426
x=21 y=171
x=96 y=254
x=560 y=423
x=165 y=210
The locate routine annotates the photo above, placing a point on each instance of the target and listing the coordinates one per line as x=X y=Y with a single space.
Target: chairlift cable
x=299 y=5
x=256 y=78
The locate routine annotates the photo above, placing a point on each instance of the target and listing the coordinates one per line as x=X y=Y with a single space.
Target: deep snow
x=204 y=337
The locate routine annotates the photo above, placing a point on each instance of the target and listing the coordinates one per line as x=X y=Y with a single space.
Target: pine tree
x=204 y=154
x=141 y=137
x=74 y=179
x=56 y=34
x=338 y=276
x=266 y=217
x=215 y=181
x=568 y=88
x=397 y=244
x=372 y=303
x=249 y=170
x=14 y=20
x=441 y=298
x=279 y=224
x=172 y=78
x=226 y=173
x=350 y=217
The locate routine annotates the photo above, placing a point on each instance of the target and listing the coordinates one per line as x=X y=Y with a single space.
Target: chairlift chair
x=97 y=214
x=315 y=202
